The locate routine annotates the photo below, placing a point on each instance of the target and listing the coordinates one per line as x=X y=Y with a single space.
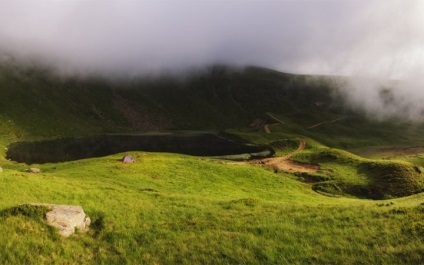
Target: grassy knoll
x=181 y=209
x=342 y=173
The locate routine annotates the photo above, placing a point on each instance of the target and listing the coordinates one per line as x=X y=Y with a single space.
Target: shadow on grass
x=35 y=213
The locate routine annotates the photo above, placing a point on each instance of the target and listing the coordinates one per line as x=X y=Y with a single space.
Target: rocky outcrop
x=34 y=170
x=128 y=159
x=67 y=219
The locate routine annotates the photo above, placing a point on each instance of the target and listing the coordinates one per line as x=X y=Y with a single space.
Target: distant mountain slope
x=36 y=104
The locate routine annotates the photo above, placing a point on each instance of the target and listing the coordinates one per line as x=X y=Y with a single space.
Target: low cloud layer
x=382 y=39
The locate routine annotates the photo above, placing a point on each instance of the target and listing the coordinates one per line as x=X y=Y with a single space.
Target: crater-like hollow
x=190 y=143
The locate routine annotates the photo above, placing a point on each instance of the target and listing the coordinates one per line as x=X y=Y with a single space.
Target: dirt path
x=274 y=118
x=284 y=163
x=325 y=122
x=266 y=127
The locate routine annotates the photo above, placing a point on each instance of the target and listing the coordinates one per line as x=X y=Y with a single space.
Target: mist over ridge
x=369 y=40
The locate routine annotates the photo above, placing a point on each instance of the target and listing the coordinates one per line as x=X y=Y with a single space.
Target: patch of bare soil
x=138 y=116
x=284 y=163
x=102 y=117
x=293 y=166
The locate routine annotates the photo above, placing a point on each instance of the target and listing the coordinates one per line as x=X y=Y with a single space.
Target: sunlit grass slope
x=179 y=209
x=342 y=173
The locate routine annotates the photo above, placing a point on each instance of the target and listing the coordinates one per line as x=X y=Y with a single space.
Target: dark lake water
x=68 y=149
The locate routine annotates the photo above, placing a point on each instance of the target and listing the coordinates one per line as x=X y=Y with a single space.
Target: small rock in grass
x=34 y=170
x=1 y=169
x=67 y=219
x=128 y=159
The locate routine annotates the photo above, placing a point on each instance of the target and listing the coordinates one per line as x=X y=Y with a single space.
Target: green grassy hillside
x=180 y=209
x=172 y=208
x=38 y=104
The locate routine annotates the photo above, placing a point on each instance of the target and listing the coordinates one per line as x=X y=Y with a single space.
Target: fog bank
x=380 y=39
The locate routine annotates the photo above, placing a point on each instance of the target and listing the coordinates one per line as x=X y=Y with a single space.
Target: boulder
x=34 y=170
x=128 y=159
x=67 y=219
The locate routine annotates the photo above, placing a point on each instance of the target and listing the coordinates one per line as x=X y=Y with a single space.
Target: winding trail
x=325 y=122
x=274 y=118
x=283 y=162
x=266 y=127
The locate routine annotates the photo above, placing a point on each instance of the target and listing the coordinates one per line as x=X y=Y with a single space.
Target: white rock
x=34 y=170
x=67 y=219
x=1 y=169
x=128 y=159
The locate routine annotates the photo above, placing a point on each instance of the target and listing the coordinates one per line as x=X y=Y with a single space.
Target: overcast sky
x=382 y=39
x=349 y=37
